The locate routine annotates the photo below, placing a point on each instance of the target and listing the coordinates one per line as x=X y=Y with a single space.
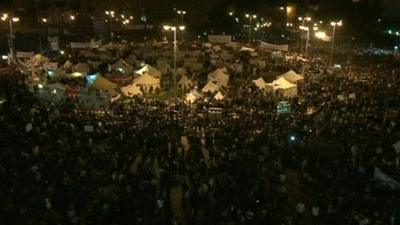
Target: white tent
x=260 y=83
x=210 y=87
x=192 y=96
x=149 y=70
x=81 y=68
x=98 y=82
x=220 y=77
x=292 y=77
x=131 y=90
x=122 y=66
x=219 y=96
x=184 y=82
x=147 y=82
x=284 y=87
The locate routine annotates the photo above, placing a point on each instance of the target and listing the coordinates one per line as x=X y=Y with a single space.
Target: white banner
x=274 y=47
x=25 y=54
x=219 y=38
x=80 y=44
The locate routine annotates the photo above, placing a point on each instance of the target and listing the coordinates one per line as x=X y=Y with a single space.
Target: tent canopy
x=260 y=83
x=281 y=83
x=220 y=77
x=98 y=82
x=210 y=87
x=150 y=70
x=147 y=79
x=192 y=96
x=291 y=76
x=131 y=90
x=219 y=96
x=122 y=66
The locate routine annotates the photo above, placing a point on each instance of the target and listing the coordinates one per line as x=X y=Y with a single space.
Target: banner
x=274 y=47
x=80 y=44
x=25 y=54
x=219 y=38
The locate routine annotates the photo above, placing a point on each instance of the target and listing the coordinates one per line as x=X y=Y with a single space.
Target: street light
x=174 y=28
x=304 y=28
x=43 y=27
x=230 y=13
x=72 y=17
x=334 y=24
x=110 y=13
x=251 y=17
x=11 y=20
x=182 y=13
x=303 y=20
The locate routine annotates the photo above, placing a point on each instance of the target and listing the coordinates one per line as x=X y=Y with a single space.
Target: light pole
x=251 y=17
x=182 y=13
x=333 y=24
x=44 y=22
x=303 y=20
x=174 y=28
x=111 y=15
x=307 y=29
x=11 y=20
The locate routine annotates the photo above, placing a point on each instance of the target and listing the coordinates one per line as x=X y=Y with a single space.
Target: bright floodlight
x=182 y=27
x=107 y=12
x=254 y=16
x=131 y=17
x=339 y=23
x=281 y=8
x=122 y=16
x=300 y=18
x=303 y=28
x=15 y=19
x=315 y=28
x=247 y=15
x=44 y=20
x=231 y=13
x=166 y=27
x=308 y=18
x=62 y=52
x=72 y=17
x=321 y=35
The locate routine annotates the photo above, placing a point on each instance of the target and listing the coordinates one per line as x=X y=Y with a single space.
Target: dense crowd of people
x=155 y=162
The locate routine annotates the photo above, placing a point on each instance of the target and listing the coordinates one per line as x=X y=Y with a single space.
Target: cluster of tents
x=285 y=84
x=146 y=79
